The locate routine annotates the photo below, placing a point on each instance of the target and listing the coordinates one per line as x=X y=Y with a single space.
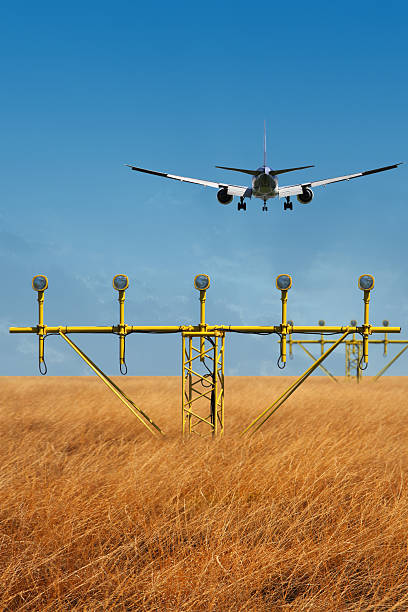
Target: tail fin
x=264 y=143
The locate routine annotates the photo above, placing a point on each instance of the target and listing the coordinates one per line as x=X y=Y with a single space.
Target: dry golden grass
x=308 y=514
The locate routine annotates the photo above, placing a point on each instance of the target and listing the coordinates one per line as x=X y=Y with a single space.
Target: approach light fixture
x=39 y=283
x=322 y=322
x=283 y=282
x=366 y=282
x=120 y=282
x=386 y=323
x=290 y=322
x=353 y=323
x=202 y=282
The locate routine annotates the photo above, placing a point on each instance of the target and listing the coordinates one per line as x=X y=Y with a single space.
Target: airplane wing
x=235 y=190
x=292 y=190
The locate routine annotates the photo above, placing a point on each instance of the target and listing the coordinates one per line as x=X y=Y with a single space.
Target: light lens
x=40 y=283
x=322 y=322
x=290 y=322
x=120 y=282
x=386 y=323
x=353 y=323
x=366 y=282
x=201 y=282
x=283 y=282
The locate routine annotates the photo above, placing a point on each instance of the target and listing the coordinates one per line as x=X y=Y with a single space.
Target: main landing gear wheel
x=241 y=204
x=288 y=204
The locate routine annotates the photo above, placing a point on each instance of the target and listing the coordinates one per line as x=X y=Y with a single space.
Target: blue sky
x=88 y=87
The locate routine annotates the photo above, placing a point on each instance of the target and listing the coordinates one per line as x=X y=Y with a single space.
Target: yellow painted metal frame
x=203 y=349
x=202 y=404
x=353 y=354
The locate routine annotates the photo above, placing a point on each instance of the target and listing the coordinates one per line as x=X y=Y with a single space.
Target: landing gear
x=264 y=207
x=288 y=204
x=241 y=204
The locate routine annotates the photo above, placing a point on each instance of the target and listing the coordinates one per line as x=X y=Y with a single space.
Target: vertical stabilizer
x=264 y=143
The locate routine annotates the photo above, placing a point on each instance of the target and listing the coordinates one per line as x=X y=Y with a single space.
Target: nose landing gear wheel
x=288 y=204
x=241 y=204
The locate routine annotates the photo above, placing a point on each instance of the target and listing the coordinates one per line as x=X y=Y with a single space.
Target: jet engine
x=306 y=196
x=224 y=197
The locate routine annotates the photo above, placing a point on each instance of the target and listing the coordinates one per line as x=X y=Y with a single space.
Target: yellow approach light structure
x=203 y=351
x=353 y=352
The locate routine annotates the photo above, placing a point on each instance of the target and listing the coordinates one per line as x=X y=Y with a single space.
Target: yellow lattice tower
x=203 y=374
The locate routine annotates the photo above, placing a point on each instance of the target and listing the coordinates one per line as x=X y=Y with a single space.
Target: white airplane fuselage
x=265 y=184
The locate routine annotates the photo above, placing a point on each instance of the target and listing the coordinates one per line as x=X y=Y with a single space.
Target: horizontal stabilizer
x=253 y=172
x=290 y=169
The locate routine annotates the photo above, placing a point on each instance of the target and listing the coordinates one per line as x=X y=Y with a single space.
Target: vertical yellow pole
x=40 y=327
x=222 y=382
x=183 y=382
x=353 y=351
x=321 y=344
x=202 y=323
x=121 y=300
x=284 y=326
x=366 y=325
x=347 y=354
x=385 y=344
x=215 y=389
x=359 y=373
x=190 y=382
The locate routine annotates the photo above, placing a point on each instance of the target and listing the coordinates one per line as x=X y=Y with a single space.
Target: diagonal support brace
x=266 y=414
x=138 y=413
x=389 y=364
x=325 y=370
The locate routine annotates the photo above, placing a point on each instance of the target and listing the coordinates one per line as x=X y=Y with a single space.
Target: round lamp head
x=290 y=322
x=39 y=283
x=322 y=322
x=202 y=282
x=283 y=282
x=366 y=282
x=353 y=323
x=120 y=282
x=386 y=323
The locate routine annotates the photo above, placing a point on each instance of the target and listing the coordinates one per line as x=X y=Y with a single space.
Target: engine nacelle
x=224 y=197
x=306 y=196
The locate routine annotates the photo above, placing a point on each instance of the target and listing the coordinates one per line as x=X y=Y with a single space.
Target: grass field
x=310 y=513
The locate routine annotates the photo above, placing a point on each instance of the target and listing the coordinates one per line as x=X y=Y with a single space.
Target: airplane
x=264 y=183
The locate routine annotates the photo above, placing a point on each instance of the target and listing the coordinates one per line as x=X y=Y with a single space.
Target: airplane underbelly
x=267 y=193
x=264 y=186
